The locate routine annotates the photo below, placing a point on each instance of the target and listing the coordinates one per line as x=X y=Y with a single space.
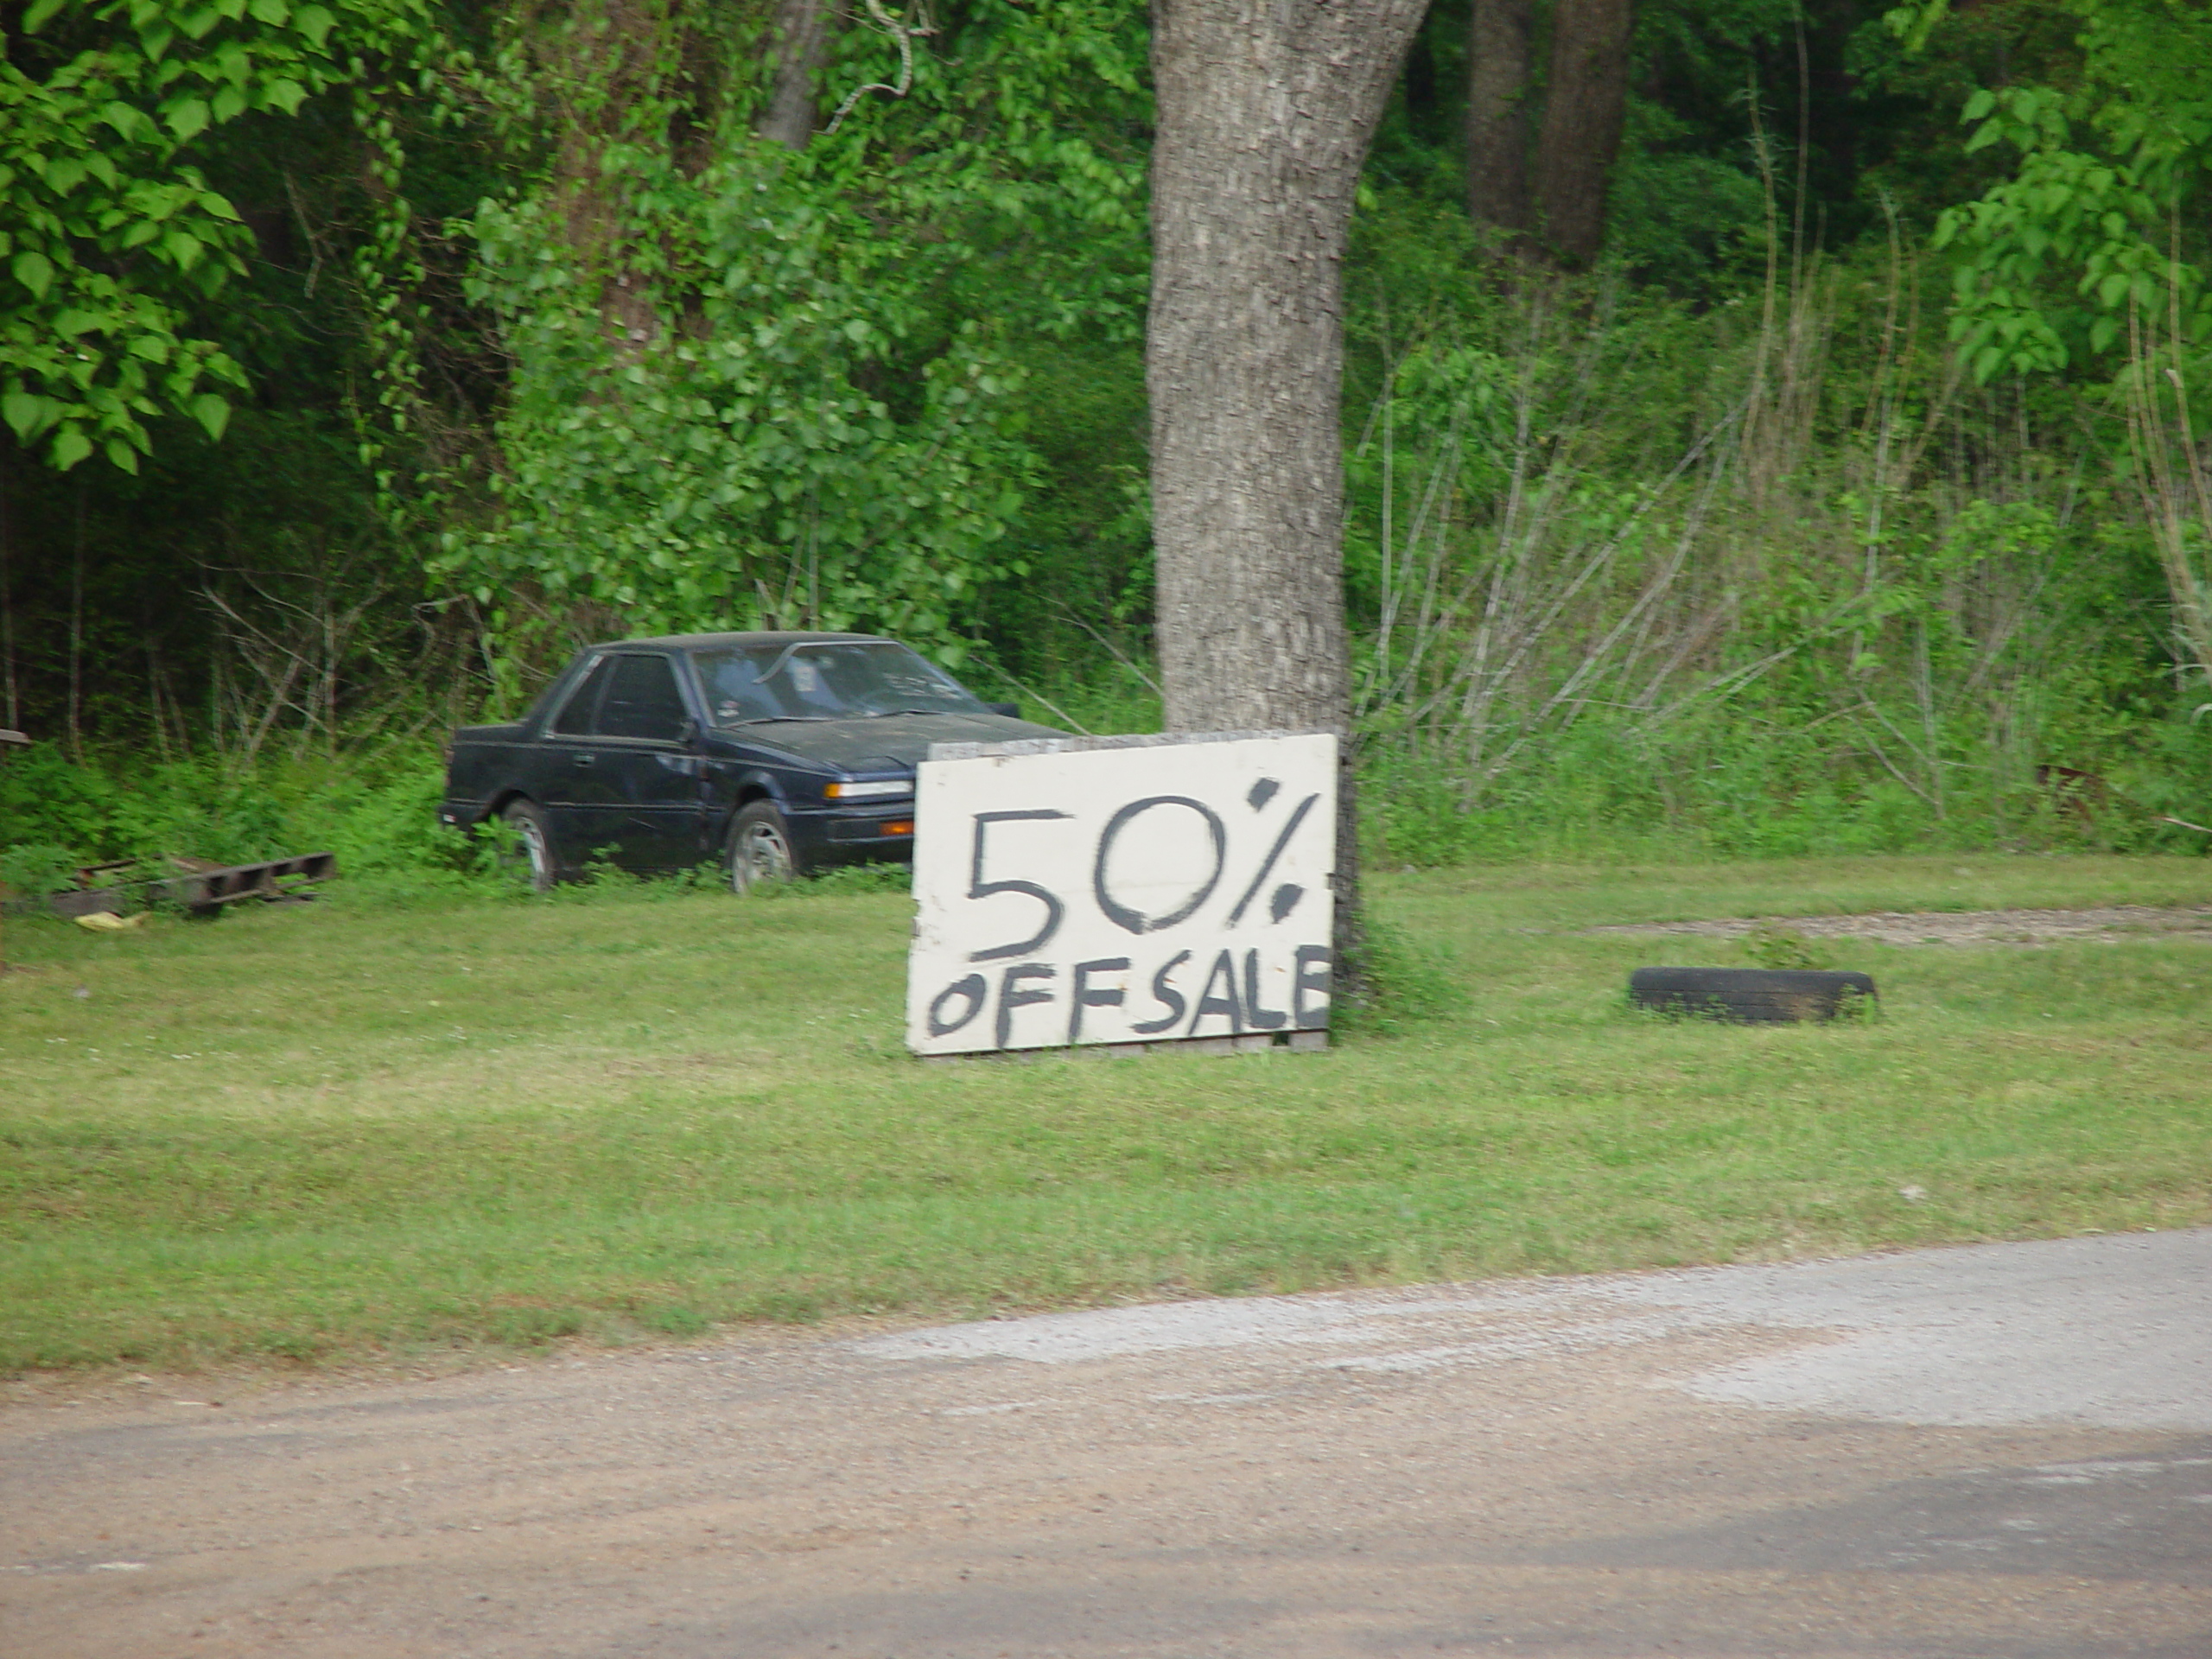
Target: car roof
x=696 y=641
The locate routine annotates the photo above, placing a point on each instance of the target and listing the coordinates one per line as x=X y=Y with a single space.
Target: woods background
x=1769 y=428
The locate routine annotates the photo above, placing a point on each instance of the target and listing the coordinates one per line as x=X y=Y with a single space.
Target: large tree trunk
x=1585 y=105
x=800 y=39
x=1497 y=112
x=1266 y=108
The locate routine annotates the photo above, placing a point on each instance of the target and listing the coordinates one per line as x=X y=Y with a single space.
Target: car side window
x=642 y=700
x=575 y=719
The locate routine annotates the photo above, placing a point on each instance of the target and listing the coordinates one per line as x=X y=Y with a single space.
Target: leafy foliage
x=776 y=390
x=112 y=235
x=544 y=342
x=2099 y=219
x=740 y=464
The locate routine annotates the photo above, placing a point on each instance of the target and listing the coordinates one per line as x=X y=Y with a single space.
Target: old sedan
x=776 y=754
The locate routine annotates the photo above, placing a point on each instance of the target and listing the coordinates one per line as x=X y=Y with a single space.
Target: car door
x=578 y=794
x=645 y=766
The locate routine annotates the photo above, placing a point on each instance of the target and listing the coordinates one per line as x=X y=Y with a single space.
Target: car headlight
x=881 y=789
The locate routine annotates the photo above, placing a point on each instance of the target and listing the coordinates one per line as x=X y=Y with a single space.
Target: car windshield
x=825 y=680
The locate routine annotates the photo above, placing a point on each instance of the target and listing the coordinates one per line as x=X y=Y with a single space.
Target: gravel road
x=2001 y=1450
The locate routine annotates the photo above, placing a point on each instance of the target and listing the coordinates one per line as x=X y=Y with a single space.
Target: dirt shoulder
x=1818 y=1459
x=2109 y=924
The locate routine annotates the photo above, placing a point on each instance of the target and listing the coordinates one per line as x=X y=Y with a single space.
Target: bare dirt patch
x=2107 y=925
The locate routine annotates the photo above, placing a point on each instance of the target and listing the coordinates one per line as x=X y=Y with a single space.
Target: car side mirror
x=1011 y=710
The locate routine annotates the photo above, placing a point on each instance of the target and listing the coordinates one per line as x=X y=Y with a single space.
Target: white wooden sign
x=1122 y=890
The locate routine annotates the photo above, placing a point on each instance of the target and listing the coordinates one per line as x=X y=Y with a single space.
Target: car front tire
x=759 y=853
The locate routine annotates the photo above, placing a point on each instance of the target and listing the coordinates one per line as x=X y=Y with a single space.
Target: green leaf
x=123 y=455
x=40 y=13
x=34 y=271
x=211 y=412
x=25 y=413
x=70 y=447
x=313 y=23
x=272 y=12
x=285 y=95
x=187 y=117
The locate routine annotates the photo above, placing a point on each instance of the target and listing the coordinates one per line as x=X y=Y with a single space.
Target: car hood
x=884 y=742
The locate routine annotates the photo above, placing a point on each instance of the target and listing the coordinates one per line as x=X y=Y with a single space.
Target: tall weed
x=1747 y=580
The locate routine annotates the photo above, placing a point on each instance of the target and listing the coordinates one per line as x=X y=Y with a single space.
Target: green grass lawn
x=320 y=1132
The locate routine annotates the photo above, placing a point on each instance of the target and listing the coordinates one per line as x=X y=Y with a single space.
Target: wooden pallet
x=204 y=888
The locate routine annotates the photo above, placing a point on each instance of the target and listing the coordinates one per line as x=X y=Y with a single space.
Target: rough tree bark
x=799 y=37
x=1497 y=112
x=1586 y=103
x=589 y=80
x=1266 y=110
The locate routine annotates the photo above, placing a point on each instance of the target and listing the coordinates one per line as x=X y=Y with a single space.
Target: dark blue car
x=774 y=753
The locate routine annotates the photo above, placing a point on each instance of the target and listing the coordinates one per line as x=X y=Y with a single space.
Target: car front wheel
x=760 y=851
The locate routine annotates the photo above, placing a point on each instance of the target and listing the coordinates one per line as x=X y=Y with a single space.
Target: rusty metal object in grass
x=1752 y=995
x=205 y=888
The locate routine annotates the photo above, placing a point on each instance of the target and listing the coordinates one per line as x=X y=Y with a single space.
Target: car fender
x=736 y=785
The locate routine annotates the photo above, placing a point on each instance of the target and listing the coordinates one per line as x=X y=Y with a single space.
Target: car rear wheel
x=533 y=855
x=759 y=850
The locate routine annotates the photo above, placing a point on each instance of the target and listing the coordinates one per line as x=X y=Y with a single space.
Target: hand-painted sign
x=1122 y=890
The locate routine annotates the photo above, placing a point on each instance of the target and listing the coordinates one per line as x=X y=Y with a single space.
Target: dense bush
x=1727 y=545
x=377 y=814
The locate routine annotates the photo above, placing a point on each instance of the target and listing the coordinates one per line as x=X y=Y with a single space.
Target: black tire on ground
x=758 y=852
x=533 y=856
x=1751 y=995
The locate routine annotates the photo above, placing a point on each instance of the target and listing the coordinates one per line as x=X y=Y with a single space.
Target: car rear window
x=575 y=719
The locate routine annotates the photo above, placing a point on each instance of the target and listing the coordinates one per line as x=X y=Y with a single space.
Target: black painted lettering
x=979 y=889
x=1267 y=868
x=1085 y=995
x=971 y=989
x=1135 y=921
x=1302 y=981
x=1223 y=973
x=1167 y=996
x=1012 y=996
x=1262 y=1018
